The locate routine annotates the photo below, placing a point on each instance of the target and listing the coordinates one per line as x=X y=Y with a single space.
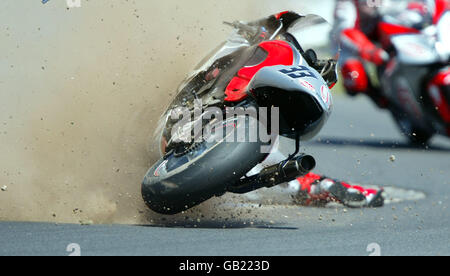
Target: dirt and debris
x=86 y=222
x=70 y=123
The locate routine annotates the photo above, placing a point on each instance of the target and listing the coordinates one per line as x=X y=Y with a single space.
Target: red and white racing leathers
x=318 y=190
x=356 y=31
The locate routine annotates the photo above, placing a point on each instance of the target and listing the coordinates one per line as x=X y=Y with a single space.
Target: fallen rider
x=316 y=190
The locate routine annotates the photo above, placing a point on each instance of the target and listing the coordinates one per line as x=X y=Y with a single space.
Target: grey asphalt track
x=356 y=145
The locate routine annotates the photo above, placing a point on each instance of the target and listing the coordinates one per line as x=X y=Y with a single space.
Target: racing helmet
x=371 y=8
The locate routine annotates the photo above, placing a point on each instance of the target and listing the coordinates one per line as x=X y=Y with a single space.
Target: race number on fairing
x=298 y=72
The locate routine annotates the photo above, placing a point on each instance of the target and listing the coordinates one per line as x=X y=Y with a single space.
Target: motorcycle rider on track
x=357 y=35
x=316 y=190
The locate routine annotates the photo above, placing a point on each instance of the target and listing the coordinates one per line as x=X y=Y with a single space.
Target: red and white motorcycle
x=416 y=81
x=264 y=64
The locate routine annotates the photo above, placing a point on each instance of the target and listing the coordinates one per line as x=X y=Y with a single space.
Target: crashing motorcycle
x=221 y=132
x=416 y=81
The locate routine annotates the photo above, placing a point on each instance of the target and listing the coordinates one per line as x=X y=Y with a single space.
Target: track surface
x=356 y=145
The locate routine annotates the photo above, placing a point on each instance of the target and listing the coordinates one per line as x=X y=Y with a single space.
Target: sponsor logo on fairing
x=307 y=85
x=159 y=168
x=325 y=94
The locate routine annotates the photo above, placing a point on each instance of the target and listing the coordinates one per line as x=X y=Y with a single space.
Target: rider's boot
x=319 y=190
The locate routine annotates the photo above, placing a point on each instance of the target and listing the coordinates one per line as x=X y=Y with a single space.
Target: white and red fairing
x=439 y=91
x=439 y=88
x=279 y=65
x=427 y=47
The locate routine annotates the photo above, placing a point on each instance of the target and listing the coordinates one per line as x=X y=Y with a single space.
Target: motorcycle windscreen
x=416 y=14
x=313 y=32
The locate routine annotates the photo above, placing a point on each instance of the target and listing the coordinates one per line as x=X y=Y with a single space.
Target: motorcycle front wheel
x=416 y=135
x=182 y=180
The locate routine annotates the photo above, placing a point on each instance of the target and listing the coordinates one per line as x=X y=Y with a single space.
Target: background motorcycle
x=263 y=64
x=416 y=81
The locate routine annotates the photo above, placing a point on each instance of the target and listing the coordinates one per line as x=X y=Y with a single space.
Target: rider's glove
x=378 y=56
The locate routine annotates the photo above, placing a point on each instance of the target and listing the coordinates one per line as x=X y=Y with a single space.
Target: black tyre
x=416 y=135
x=181 y=181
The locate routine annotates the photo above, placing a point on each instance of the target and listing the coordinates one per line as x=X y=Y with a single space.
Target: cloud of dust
x=81 y=91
